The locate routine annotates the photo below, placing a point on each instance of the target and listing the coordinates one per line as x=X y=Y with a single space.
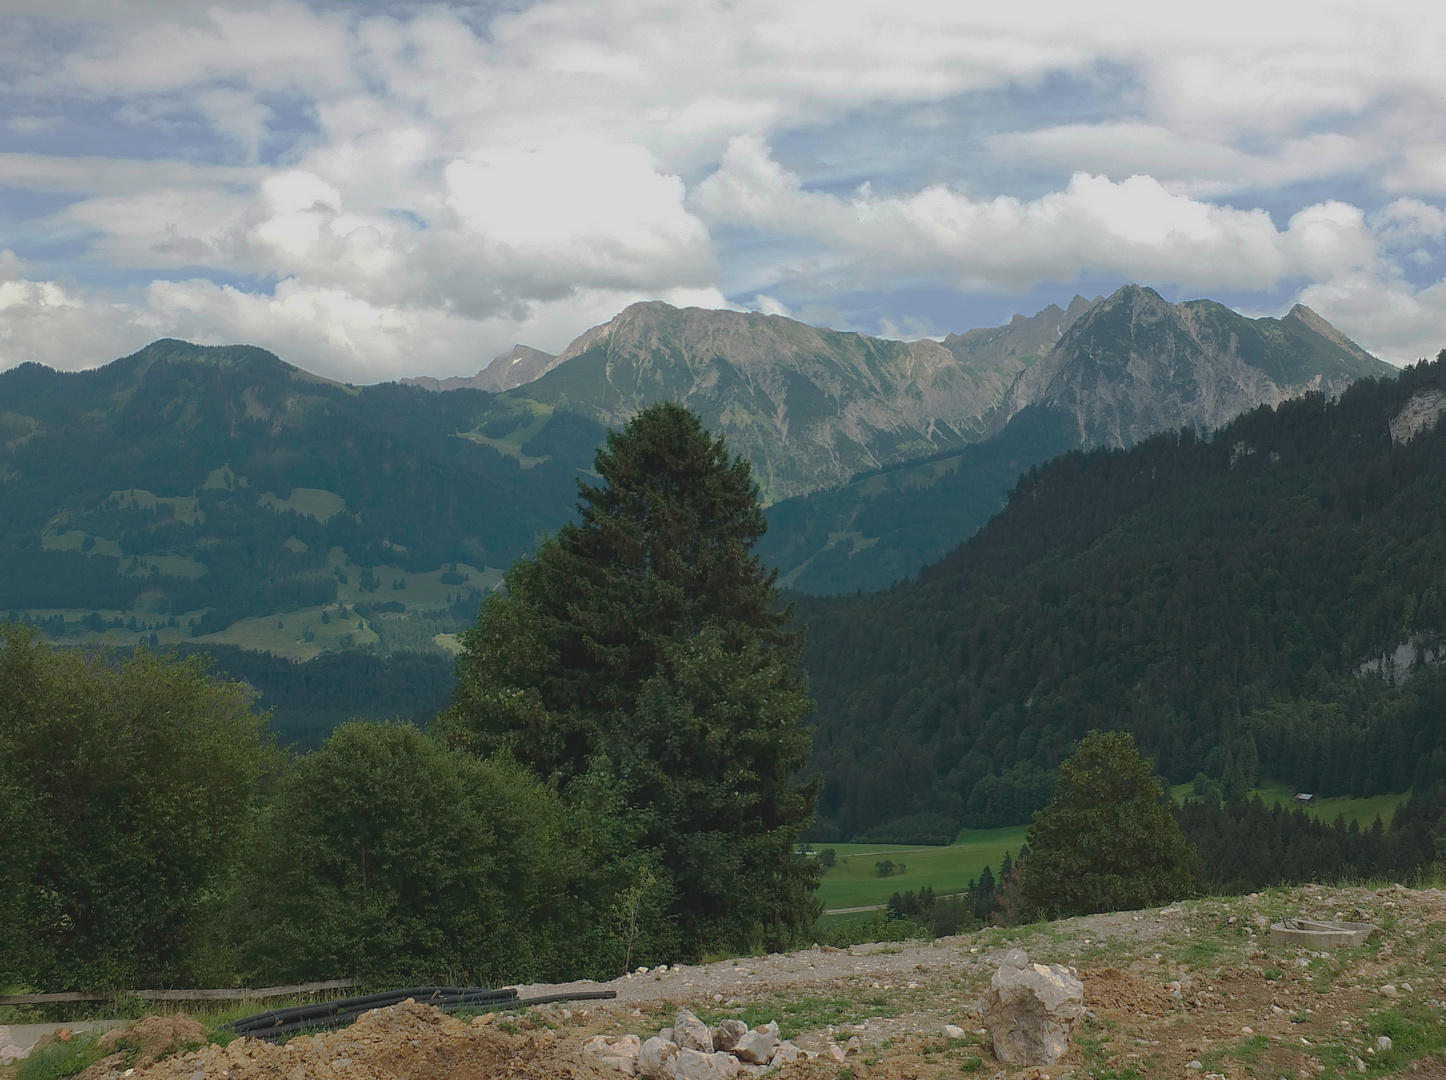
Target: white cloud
x=1134 y=227
x=463 y=185
x=324 y=329
x=1397 y=321
x=768 y=305
x=45 y=322
x=1196 y=165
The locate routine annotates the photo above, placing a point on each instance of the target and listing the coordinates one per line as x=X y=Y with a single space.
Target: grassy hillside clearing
x=854 y=881
x=1273 y=793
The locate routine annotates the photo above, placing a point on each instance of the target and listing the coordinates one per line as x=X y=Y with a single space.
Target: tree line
x=1111 y=839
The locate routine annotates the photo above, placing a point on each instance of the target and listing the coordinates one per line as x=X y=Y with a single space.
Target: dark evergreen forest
x=1217 y=597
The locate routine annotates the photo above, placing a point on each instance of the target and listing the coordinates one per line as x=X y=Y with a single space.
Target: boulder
x=625 y=1046
x=9 y=1051
x=658 y=1059
x=1031 y=1009
x=727 y=1034
x=696 y=1065
x=756 y=1047
x=690 y=1033
x=786 y=1054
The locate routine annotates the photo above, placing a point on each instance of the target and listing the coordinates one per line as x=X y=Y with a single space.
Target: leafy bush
x=389 y=858
x=127 y=795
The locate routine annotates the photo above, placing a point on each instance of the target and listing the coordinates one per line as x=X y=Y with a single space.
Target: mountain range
x=220 y=494
x=1121 y=370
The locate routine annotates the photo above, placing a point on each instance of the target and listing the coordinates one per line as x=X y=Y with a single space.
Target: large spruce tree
x=638 y=661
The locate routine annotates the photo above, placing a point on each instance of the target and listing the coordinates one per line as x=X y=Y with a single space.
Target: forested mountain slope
x=218 y=484
x=1121 y=370
x=1224 y=600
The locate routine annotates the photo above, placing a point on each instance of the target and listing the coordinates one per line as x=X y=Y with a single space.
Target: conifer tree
x=638 y=655
x=1106 y=842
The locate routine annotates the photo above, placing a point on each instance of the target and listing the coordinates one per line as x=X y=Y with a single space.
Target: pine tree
x=1106 y=842
x=639 y=655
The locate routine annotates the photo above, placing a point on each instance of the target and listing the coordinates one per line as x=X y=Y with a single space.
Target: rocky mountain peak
x=1134 y=364
x=521 y=364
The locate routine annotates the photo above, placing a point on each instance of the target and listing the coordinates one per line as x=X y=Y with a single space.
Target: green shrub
x=127 y=796
x=387 y=857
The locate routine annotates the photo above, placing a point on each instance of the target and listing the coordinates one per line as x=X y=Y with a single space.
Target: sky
x=374 y=190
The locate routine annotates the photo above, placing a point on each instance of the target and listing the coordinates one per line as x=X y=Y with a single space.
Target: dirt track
x=1165 y=988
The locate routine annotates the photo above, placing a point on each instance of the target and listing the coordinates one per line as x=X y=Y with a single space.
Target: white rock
x=1360 y=1065
x=658 y=1059
x=666 y=1034
x=1031 y=1009
x=9 y=1051
x=756 y=1047
x=954 y=1031
x=1193 y=1065
x=727 y=1034
x=690 y=1033
x=853 y=1046
x=626 y=1046
x=835 y=1052
x=786 y=1054
x=1383 y=1042
x=621 y=1064
x=696 y=1065
x=1389 y=990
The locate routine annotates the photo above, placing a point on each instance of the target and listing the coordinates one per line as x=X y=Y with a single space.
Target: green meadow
x=854 y=881
x=1273 y=792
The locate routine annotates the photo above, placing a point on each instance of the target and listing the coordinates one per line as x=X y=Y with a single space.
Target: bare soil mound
x=407 y=1040
x=1111 y=990
x=142 y=1044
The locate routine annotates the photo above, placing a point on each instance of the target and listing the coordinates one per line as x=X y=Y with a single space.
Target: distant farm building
x=1305 y=799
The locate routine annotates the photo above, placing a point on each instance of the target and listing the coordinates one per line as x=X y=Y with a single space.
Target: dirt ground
x=1193 y=990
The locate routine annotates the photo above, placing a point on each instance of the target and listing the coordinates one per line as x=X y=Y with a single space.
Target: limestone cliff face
x=1135 y=364
x=809 y=407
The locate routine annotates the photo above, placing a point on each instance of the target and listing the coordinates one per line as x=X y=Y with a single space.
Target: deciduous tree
x=1106 y=841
